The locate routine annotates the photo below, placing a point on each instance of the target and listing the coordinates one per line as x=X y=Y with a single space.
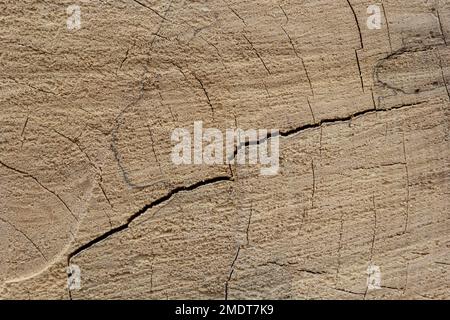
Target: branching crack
x=218 y=179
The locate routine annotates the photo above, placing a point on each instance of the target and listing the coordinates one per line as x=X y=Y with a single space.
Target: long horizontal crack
x=144 y=209
x=226 y=178
x=214 y=180
x=318 y=124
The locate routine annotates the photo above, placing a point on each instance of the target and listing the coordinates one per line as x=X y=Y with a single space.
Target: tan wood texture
x=85 y=149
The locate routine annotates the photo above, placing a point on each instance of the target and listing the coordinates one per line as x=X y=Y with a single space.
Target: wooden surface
x=87 y=177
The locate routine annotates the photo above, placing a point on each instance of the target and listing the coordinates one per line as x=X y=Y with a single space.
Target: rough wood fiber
x=87 y=179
